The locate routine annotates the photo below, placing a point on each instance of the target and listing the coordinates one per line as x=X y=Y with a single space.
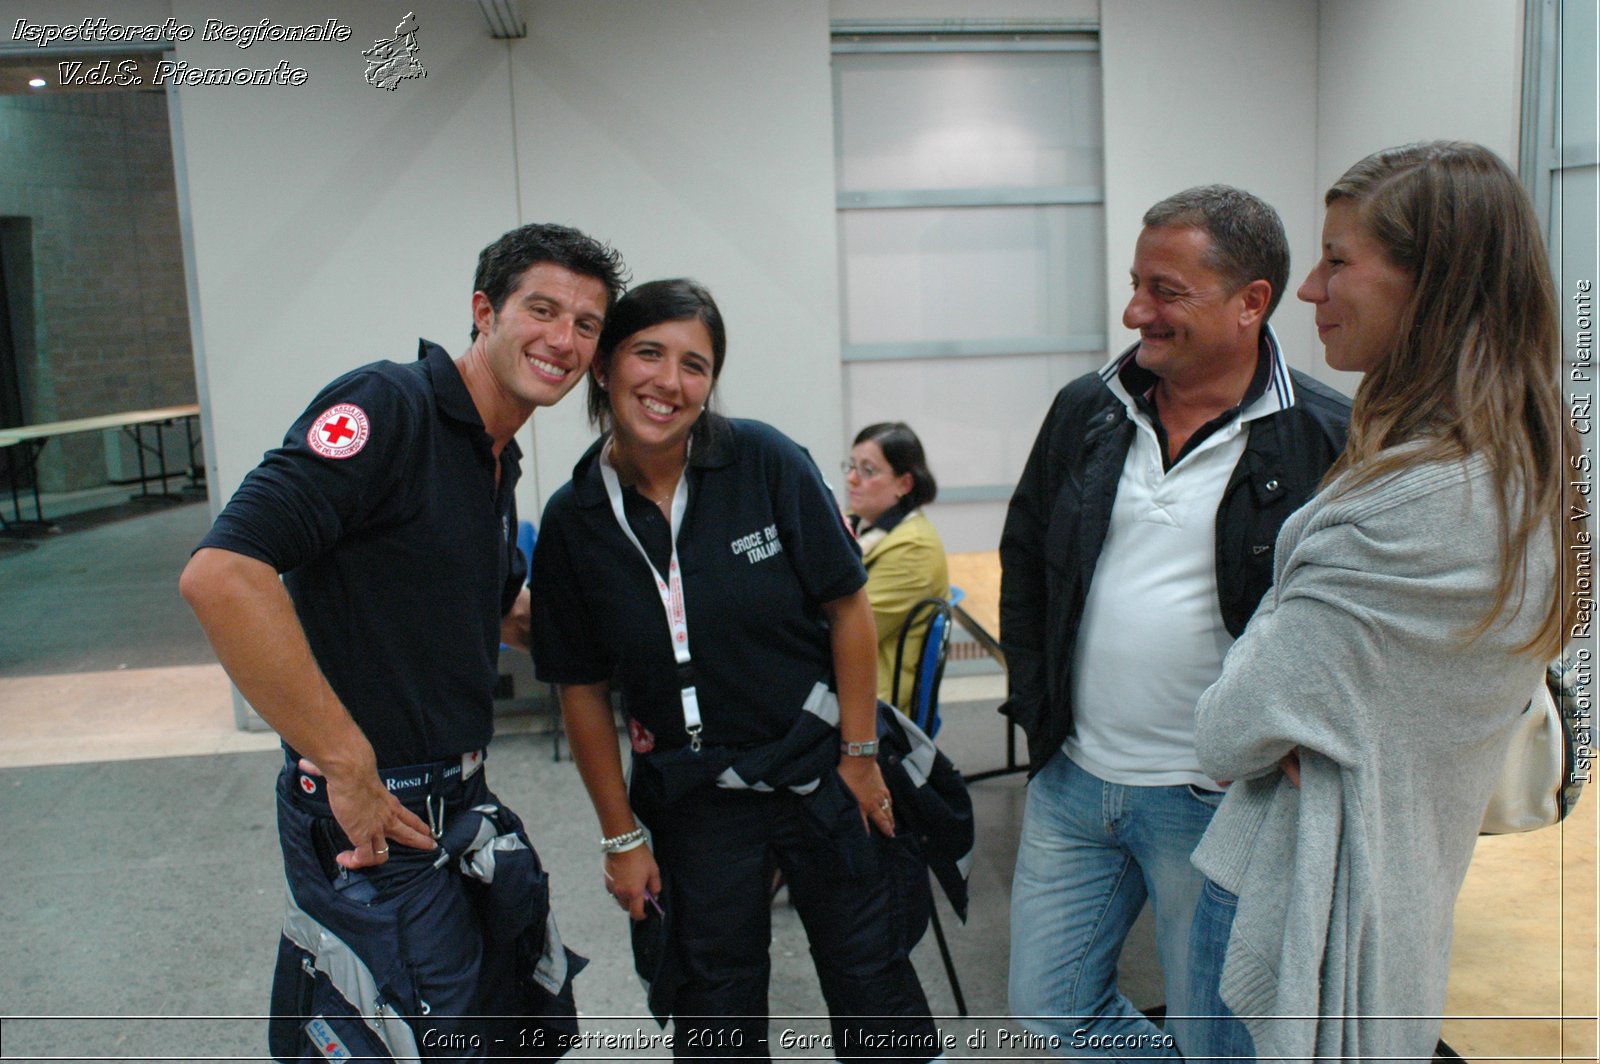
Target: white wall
x=1279 y=98
x=964 y=10
x=974 y=419
x=697 y=136
x=1395 y=71
x=1210 y=91
x=335 y=222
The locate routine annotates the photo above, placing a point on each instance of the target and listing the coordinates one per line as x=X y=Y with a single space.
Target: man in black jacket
x=1136 y=547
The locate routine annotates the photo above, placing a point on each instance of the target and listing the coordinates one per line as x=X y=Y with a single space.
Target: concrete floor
x=147 y=908
x=142 y=891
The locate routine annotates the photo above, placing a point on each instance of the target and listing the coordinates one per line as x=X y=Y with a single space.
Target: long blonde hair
x=1476 y=361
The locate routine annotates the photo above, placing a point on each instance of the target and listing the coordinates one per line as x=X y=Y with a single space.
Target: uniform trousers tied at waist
x=445 y=954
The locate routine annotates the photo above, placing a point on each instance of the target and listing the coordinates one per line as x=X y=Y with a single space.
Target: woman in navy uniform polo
x=700 y=565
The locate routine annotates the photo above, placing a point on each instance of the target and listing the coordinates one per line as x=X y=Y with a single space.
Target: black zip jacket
x=1059 y=514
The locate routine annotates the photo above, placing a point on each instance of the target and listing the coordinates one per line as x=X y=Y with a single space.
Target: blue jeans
x=1214 y=1034
x=1091 y=854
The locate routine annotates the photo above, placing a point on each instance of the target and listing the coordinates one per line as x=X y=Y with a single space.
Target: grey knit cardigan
x=1358 y=657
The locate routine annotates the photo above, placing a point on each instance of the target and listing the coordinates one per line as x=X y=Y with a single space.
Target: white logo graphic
x=340 y=431
x=392 y=61
x=758 y=546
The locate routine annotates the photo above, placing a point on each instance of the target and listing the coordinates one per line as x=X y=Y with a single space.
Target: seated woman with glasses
x=889 y=482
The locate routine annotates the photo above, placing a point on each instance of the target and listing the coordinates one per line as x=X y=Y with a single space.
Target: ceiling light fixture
x=37 y=83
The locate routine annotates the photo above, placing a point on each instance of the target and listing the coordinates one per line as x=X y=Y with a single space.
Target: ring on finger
x=883 y=803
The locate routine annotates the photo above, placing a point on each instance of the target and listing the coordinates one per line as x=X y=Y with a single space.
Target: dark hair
x=1476 y=362
x=903 y=451
x=677 y=299
x=1247 y=238
x=502 y=264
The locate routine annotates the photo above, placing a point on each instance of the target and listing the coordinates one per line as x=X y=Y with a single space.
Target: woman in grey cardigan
x=1364 y=715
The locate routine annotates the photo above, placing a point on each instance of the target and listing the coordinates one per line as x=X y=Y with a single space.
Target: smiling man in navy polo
x=390 y=512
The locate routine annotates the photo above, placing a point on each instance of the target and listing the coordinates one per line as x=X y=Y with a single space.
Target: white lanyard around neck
x=670 y=588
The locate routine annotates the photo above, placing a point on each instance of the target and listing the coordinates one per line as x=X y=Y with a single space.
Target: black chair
x=930 y=621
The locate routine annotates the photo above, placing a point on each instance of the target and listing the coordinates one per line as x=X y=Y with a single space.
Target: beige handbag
x=1547 y=761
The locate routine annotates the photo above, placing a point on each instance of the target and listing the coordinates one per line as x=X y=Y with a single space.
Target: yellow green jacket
x=904 y=566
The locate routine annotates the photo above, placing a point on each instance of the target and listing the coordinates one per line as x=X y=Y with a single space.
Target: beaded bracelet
x=628 y=840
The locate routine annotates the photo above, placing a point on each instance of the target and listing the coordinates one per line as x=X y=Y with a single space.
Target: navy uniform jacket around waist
x=398 y=549
x=1058 y=517
x=761 y=546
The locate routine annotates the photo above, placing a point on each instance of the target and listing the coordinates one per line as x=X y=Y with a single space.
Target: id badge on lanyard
x=670 y=588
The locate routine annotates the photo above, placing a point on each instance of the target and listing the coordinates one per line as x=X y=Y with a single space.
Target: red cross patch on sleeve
x=340 y=431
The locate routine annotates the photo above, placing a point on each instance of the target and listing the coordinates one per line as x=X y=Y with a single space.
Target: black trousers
x=718 y=849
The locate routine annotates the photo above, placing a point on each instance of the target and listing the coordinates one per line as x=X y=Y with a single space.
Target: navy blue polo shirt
x=761 y=547
x=381 y=510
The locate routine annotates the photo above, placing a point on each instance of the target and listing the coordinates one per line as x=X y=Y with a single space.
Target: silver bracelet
x=628 y=840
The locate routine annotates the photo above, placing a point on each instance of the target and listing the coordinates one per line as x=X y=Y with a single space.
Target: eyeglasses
x=864 y=470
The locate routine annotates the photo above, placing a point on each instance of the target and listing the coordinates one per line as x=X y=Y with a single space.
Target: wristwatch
x=866 y=749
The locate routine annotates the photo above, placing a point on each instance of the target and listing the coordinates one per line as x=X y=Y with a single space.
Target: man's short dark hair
x=1247 y=238
x=502 y=264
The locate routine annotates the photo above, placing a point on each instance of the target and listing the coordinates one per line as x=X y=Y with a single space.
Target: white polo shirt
x=1152 y=636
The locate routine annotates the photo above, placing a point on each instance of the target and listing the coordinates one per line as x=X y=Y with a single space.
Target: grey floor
x=141 y=899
